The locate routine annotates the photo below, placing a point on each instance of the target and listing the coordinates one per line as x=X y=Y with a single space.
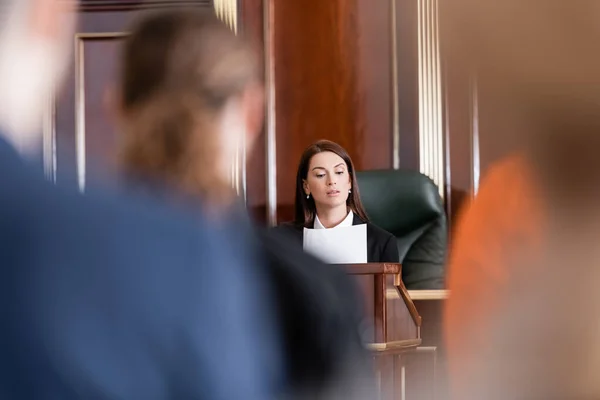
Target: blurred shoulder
x=513 y=172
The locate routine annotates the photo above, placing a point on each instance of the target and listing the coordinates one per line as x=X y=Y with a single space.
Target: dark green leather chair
x=408 y=205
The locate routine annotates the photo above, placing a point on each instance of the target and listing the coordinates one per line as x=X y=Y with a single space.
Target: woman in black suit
x=327 y=197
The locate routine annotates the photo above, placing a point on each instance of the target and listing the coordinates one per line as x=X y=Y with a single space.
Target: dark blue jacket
x=107 y=297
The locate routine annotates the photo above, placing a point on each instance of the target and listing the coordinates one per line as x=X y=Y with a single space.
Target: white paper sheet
x=341 y=245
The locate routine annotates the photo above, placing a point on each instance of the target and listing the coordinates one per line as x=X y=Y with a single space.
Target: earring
x=308 y=196
x=349 y=190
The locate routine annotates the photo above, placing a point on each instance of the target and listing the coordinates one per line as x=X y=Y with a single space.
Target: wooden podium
x=396 y=325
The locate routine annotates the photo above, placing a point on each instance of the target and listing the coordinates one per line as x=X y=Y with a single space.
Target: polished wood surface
x=432 y=350
x=340 y=70
x=432 y=333
x=373 y=268
x=401 y=365
x=421 y=368
x=331 y=74
x=317 y=84
x=393 y=321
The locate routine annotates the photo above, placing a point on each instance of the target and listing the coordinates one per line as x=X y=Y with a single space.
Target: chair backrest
x=408 y=205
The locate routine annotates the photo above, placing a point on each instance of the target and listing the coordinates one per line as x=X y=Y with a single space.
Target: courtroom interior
x=356 y=73
x=398 y=142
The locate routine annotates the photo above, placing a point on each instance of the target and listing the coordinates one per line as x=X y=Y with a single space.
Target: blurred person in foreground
x=189 y=93
x=102 y=296
x=523 y=317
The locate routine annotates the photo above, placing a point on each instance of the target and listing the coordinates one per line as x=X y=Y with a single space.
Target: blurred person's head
x=326 y=181
x=35 y=42
x=190 y=93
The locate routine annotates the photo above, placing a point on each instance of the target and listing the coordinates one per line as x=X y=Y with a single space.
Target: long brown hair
x=305 y=209
x=179 y=69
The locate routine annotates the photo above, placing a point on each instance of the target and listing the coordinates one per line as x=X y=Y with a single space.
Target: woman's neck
x=331 y=217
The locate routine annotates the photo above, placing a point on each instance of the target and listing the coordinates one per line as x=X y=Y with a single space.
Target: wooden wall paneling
x=129 y=5
x=461 y=105
x=375 y=83
x=345 y=71
x=476 y=134
x=498 y=137
x=83 y=134
x=331 y=69
x=406 y=70
x=420 y=367
x=432 y=333
x=431 y=138
x=315 y=74
x=462 y=140
x=252 y=27
x=96 y=57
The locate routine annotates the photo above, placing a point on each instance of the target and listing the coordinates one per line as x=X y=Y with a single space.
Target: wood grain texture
x=316 y=65
x=395 y=319
x=332 y=81
x=334 y=74
x=375 y=82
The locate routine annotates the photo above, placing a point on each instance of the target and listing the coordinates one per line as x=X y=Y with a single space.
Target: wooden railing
x=396 y=332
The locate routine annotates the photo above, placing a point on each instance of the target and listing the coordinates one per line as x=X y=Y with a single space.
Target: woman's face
x=328 y=180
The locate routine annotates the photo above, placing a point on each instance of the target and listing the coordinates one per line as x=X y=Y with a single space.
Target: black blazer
x=381 y=245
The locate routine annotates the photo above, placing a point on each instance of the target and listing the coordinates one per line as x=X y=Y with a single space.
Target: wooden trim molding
x=414 y=313
x=225 y=9
x=373 y=268
x=270 y=125
x=394 y=346
x=127 y=5
x=431 y=135
x=49 y=140
x=429 y=294
x=80 y=39
x=420 y=294
x=395 y=89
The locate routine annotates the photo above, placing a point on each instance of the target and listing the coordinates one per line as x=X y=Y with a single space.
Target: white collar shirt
x=348 y=221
